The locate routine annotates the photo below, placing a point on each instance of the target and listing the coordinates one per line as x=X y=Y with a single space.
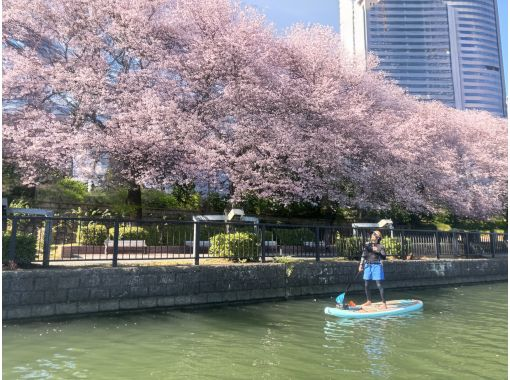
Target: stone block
x=108 y=305
x=127 y=304
x=257 y=294
x=165 y=290
x=11 y=298
x=148 y=302
x=166 y=278
x=6 y=283
x=55 y=296
x=231 y=296
x=19 y=312
x=198 y=299
x=22 y=284
x=243 y=295
x=68 y=282
x=111 y=281
x=215 y=297
x=78 y=294
x=192 y=287
x=278 y=293
x=66 y=308
x=88 y=307
x=45 y=283
x=31 y=298
x=99 y=294
x=205 y=287
x=294 y=291
x=158 y=290
x=167 y=301
x=182 y=300
x=90 y=279
x=43 y=310
x=148 y=280
x=138 y=291
x=119 y=292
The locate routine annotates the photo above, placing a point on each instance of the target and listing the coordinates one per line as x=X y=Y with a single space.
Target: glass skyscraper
x=446 y=50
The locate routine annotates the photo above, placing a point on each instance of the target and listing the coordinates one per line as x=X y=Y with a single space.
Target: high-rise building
x=446 y=50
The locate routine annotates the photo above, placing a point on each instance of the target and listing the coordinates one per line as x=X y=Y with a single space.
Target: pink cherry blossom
x=175 y=91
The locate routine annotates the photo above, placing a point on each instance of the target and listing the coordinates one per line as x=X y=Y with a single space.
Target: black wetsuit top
x=372 y=256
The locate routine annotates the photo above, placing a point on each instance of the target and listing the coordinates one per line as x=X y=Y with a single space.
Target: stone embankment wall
x=59 y=292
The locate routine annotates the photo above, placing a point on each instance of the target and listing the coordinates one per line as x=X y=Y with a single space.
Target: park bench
x=312 y=244
x=201 y=243
x=271 y=245
x=126 y=246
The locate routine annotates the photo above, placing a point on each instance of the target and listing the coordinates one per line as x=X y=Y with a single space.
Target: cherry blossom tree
x=76 y=70
x=179 y=91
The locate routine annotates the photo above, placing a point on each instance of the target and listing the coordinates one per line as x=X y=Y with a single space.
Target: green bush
x=349 y=247
x=92 y=234
x=235 y=246
x=152 y=198
x=130 y=233
x=214 y=202
x=25 y=248
x=393 y=246
x=293 y=236
x=66 y=190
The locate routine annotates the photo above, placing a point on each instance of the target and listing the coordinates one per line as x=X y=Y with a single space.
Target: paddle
x=341 y=297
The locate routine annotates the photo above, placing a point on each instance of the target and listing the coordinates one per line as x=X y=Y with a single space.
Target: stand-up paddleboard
x=394 y=307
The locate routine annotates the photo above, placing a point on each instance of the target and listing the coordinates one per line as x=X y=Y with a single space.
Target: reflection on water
x=370 y=335
x=57 y=363
x=460 y=334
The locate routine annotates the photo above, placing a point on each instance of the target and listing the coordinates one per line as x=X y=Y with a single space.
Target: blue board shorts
x=373 y=272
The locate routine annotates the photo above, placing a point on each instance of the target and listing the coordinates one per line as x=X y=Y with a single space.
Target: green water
x=460 y=334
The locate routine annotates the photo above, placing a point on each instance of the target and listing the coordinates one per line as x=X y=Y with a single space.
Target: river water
x=460 y=334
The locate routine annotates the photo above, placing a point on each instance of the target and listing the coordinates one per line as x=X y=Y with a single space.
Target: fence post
x=317 y=252
x=263 y=245
x=11 y=253
x=493 y=239
x=115 y=243
x=437 y=245
x=402 y=252
x=466 y=244
x=455 y=244
x=196 y=242
x=47 y=242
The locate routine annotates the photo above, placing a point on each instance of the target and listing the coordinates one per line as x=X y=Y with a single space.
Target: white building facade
x=446 y=50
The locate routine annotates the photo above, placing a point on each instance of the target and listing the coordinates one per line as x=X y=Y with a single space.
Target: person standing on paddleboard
x=371 y=264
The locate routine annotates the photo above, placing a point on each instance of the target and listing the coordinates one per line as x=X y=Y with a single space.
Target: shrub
x=153 y=235
x=393 y=246
x=293 y=236
x=66 y=190
x=92 y=234
x=25 y=248
x=158 y=199
x=214 y=202
x=130 y=233
x=349 y=247
x=235 y=246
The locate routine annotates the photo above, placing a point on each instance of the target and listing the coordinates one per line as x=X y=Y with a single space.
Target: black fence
x=59 y=239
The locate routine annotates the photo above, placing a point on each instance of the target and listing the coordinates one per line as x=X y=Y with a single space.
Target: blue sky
x=284 y=13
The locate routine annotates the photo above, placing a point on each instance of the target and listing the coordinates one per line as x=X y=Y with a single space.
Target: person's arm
x=382 y=253
x=363 y=255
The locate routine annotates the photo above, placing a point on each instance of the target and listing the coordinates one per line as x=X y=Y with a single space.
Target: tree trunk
x=134 y=198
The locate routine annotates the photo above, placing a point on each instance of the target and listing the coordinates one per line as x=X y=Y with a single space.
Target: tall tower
x=446 y=50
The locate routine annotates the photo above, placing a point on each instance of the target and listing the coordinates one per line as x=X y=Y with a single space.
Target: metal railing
x=63 y=239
